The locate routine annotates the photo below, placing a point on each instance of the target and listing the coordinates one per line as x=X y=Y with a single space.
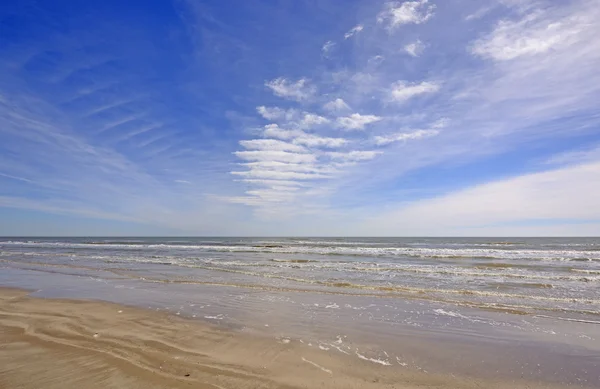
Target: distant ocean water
x=524 y=275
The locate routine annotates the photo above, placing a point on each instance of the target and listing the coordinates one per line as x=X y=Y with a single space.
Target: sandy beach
x=54 y=343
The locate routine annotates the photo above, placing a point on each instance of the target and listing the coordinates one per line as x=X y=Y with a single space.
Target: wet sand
x=54 y=343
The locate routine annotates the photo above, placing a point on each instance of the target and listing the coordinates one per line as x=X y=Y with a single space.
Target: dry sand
x=85 y=344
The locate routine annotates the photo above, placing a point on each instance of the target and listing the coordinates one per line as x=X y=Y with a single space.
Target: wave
x=417 y=252
x=516 y=303
x=587 y=271
x=294 y=260
x=569 y=319
x=368 y=268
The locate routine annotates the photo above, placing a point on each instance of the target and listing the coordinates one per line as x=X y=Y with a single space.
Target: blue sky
x=315 y=117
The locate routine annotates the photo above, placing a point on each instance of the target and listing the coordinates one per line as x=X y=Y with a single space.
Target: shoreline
x=86 y=343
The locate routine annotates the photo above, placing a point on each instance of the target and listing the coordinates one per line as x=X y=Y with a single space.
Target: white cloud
x=311 y=140
x=306 y=121
x=280 y=165
x=574 y=157
x=520 y=6
x=275 y=113
x=282 y=188
x=376 y=60
x=245 y=200
x=336 y=105
x=567 y=193
x=355 y=30
x=182 y=182
x=310 y=120
x=274 y=131
x=272 y=182
x=354 y=156
x=409 y=12
x=357 y=121
x=271 y=144
x=534 y=34
x=279 y=175
x=528 y=85
x=402 y=91
x=327 y=47
x=300 y=137
x=440 y=123
x=404 y=136
x=272 y=194
x=282 y=156
x=288 y=167
x=415 y=48
x=479 y=13
x=299 y=90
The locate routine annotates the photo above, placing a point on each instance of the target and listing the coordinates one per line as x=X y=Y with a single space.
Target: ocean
x=533 y=301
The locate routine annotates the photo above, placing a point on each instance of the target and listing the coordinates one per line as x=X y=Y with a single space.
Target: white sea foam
x=401 y=363
x=338 y=348
x=443 y=252
x=338 y=344
x=449 y=313
x=569 y=319
x=383 y=362
x=443 y=312
x=587 y=271
x=317 y=366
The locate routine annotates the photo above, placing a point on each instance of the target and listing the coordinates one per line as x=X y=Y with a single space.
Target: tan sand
x=82 y=344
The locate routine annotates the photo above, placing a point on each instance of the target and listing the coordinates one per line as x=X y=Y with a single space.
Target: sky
x=300 y=118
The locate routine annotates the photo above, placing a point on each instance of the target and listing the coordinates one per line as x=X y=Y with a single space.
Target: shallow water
x=521 y=307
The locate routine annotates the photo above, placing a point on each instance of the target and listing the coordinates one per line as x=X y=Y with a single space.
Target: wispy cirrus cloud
x=404 y=136
x=298 y=90
x=311 y=140
x=415 y=48
x=353 y=31
x=274 y=183
x=408 y=12
x=337 y=105
x=354 y=156
x=300 y=137
x=96 y=139
x=15 y=177
x=327 y=47
x=402 y=91
x=530 y=35
x=276 y=113
x=310 y=120
x=275 y=155
x=271 y=144
x=356 y=121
